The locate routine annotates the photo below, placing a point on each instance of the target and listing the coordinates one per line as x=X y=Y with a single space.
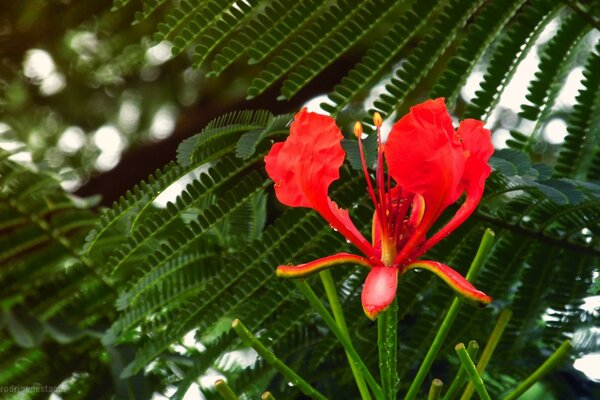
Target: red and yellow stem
x=307 y=269
x=462 y=287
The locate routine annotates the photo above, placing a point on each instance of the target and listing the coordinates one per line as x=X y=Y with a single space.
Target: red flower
x=431 y=164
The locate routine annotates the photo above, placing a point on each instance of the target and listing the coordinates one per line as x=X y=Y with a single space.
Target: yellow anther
x=358 y=130
x=377 y=120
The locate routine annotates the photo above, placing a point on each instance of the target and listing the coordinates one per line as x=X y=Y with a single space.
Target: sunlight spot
x=71 y=140
x=189 y=340
x=588 y=364
x=106 y=161
x=163 y=123
x=108 y=139
x=52 y=84
x=160 y=53
x=571 y=87
x=555 y=131
x=4 y=127
x=516 y=90
x=175 y=189
x=11 y=145
x=499 y=138
x=84 y=43
x=210 y=376
x=591 y=303
x=314 y=104
x=38 y=64
x=21 y=157
x=129 y=115
x=549 y=31
x=472 y=85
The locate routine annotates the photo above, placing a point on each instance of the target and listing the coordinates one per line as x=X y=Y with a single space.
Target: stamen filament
x=358 y=133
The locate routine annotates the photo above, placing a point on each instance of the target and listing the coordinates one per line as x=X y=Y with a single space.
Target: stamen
x=358 y=130
x=379 y=176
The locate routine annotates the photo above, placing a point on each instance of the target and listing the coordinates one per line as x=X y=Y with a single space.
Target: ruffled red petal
x=304 y=166
x=425 y=157
x=478 y=148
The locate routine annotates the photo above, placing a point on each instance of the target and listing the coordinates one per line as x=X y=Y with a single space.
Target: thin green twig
x=225 y=391
x=558 y=356
x=250 y=340
x=490 y=346
x=267 y=396
x=435 y=390
x=461 y=376
x=338 y=314
x=474 y=376
x=484 y=248
x=344 y=340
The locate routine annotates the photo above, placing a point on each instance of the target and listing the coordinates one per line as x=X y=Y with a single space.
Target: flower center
x=391 y=224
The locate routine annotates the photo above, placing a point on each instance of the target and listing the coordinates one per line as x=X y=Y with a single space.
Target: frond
x=444 y=29
x=513 y=46
x=542 y=91
x=380 y=55
x=480 y=34
x=581 y=142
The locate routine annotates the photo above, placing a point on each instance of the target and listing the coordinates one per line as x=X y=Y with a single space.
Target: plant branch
x=484 y=248
x=461 y=376
x=474 y=376
x=490 y=346
x=338 y=314
x=539 y=373
x=344 y=340
x=250 y=340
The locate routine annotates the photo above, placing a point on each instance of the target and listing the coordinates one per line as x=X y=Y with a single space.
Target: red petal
x=308 y=162
x=460 y=285
x=478 y=147
x=425 y=156
x=379 y=290
x=309 y=268
x=304 y=166
x=477 y=143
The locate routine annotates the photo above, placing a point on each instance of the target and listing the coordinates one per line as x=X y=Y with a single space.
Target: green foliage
x=107 y=295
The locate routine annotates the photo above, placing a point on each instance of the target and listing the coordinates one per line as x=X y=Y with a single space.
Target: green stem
x=474 y=376
x=344 y=340
x=387 y=342
x=486 y=355
x=461 y=376
x=225 y=391
x=484 y=248
x=435 y=390
x=338 y=314
x=539 y=373
x=250 y=340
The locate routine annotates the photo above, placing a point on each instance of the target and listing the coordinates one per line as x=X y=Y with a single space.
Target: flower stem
x=484 y=248
x=435 y=389
x=486 y=355
x=474 y=376
x=225 y=391
x=539 y=373
x=250 y=340
x=461 y=376
x=338 y=314
x=344 y=340
x=387 y=342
